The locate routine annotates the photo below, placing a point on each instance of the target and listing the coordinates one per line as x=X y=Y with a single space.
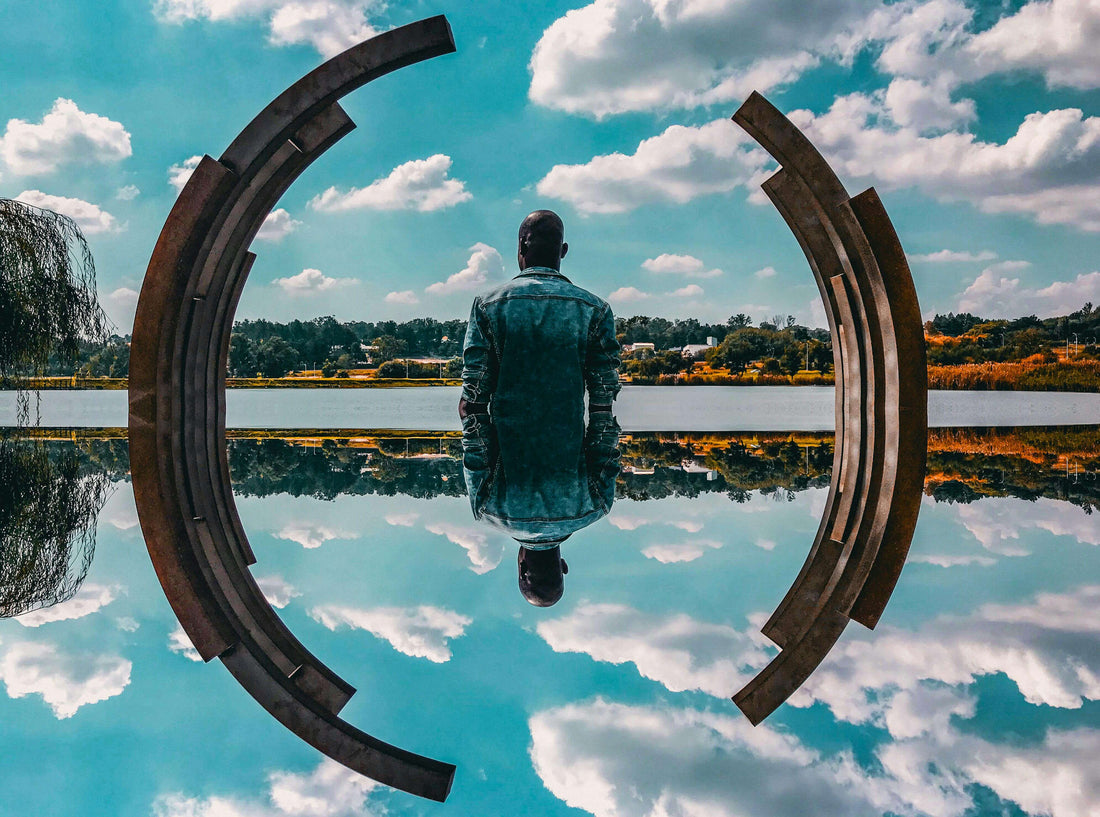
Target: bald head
x=541 y=240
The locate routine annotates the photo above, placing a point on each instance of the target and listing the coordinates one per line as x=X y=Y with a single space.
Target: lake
x=976 y=695
x=639 y=408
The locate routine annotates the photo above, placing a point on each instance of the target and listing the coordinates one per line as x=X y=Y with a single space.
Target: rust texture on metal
x=177 y=408
x=881 y=408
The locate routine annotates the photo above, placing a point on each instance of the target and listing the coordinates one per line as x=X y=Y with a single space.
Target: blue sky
x=979 y=123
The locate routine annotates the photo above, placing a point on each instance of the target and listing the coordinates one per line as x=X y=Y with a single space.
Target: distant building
x=697 y=349
x=638 y=347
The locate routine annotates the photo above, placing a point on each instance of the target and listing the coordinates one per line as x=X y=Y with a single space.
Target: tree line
x=774 y=346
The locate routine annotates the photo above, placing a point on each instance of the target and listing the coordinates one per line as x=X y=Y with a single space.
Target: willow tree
x=48 y=512
x=48 y=508
x=48 y=300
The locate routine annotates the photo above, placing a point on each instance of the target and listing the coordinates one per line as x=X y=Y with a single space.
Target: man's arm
x=601 y=453
x=601 y=366
x=479 y=364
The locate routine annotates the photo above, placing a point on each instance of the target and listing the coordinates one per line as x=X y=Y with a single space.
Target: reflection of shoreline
x=964 y=464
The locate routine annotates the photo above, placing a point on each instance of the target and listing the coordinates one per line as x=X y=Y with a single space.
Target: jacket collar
x=541 y=271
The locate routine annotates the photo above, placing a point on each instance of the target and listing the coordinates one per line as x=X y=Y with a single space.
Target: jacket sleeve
x=479 y=457
x=479 y=362
x=601 y=454
x=601 y=366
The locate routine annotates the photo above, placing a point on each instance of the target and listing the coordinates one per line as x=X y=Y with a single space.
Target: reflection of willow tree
x=48 y=508
x=47 y=292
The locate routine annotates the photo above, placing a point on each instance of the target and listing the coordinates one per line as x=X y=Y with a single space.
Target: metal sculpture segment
x=177 y=408
x=881 y=408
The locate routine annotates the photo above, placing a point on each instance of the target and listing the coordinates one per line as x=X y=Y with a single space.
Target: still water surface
x=638 y=408
x=978 y=693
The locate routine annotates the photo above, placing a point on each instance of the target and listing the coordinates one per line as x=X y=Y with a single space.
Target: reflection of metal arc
x=177 y=408
x=881 y=406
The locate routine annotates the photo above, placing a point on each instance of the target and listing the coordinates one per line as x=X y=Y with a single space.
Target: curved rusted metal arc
x=874 y=495
x=177 y=408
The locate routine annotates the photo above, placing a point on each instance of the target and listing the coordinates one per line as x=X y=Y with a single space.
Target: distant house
x=638 y=347
x=698 y=349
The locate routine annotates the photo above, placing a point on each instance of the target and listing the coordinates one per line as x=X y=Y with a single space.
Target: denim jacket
x=539 y=337
x=540 y=482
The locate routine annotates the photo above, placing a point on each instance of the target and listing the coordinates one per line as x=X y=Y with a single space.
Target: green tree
x=389 y=347
x=276 y=358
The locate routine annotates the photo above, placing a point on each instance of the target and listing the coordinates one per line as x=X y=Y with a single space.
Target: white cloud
x=624 y=295
x=90 y=218
x=421 y=184
x=89 y=599
x=406 y=296
x=993 y=295
x=484 y=555
x=676 y=651
x=686 y=265
x=179 y=174
x=277 y=590
x=996 y=522
x=1047 y=647
x=950 y=559
x=765 y=273
x=484 y=266
x=403 y=520
x=953 y=256
x=127 y=193
x=121 y=305
x=311 y=535
x=66 y=135
x=675 y=166
x=690 y=291
x=614 y=56
x=330 y=790
x=422 y=632
x=615 y=760
x=65 y=681
x=926 y=106
x=310 y=282
x=128 y=624
x=1056 y=38
x=330 y=26
x=179 y=643
x=1048 y=170
x=277 y=226
x=680 y=551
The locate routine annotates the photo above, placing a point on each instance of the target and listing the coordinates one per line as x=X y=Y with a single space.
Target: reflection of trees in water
x=49 y=502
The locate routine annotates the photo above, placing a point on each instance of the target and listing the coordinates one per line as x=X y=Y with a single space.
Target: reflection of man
x=533 y=345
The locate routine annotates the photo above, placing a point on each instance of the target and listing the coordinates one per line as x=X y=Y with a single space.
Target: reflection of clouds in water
x=312 y=534
x=89 y=599
x=627 y=522
x=66 y=681
x=484 y=554
x=330 y=790
x=677 y=651
x=277 y=590
x=1047 y=647
x=422 y=632
x=680 y=551
x=179 y=643
x=403 y=520
x=615 y=760
x=949 y=560
x=997 y=522
x=766 y=544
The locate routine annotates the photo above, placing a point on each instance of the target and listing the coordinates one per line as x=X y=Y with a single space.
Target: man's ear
x=564 y=249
